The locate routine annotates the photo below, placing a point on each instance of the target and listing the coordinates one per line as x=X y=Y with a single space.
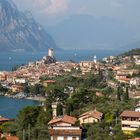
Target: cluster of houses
x=65 y=127
x=48 y=67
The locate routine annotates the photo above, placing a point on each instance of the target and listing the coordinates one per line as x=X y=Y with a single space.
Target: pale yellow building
x=90 y=117
x=130 y=121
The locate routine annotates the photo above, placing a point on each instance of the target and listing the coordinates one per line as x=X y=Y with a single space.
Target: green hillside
x=132 y=52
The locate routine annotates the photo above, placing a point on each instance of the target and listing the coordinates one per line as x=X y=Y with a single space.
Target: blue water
x=9 y=107
x=9 y=60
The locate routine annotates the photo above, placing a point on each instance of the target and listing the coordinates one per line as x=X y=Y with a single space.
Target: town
x=93 y=100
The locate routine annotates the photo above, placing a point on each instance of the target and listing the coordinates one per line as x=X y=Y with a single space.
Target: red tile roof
x=130 y=114
x=95 y=114
x=66 y=119
x=12 y=138
x=135 y=139
x=2 y=119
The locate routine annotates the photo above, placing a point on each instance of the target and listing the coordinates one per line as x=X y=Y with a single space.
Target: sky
x=55 y=14
x=50 y=11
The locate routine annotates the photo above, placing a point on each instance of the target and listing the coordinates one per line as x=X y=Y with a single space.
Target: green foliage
x=137 y=133
x=126 y=95
x=132 y=52
x=3 y=89
x=26 y=116
x=59 y=109
x=69 y=107
x=119 y=91
x=38 y=89
x=56 y=94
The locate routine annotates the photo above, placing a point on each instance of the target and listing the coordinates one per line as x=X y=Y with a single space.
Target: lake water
x=9 y=107
x=9 y=60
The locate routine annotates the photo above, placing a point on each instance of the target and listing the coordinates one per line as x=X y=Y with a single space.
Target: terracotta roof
x=66 y=119
x=49 y=81
x=124 y=79
x=12 y=138
x=94 y=114
x=135 y=139
x=130 y=114
x=66 y=132
x=2 y=119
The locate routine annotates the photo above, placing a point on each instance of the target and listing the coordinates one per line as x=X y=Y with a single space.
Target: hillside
x=132 y=52
x=20 y=32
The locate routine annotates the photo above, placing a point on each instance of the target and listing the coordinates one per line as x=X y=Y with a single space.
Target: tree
x=38 y=89
x=59 y=109
x=69 y=107
x=126 y=95
x=118 y=94
x=55 y=94
x=99 y=131
x=25 y=118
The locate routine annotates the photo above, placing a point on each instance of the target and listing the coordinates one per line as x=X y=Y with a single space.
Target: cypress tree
x=59 y=110
x=126 y=95
x=118 y=93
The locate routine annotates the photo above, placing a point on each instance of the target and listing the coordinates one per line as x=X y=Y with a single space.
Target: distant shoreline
x=40 y=99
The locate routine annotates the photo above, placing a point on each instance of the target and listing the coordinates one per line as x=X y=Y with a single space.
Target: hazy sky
x=52 y=10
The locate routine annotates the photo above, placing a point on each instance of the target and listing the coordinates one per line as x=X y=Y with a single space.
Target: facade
x=62 y=128
x=65 y=133
x=130 y=121
x=135 y=81
x=90 y=117
x=48 y=82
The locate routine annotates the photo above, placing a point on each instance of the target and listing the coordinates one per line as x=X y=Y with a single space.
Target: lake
x=9 y=107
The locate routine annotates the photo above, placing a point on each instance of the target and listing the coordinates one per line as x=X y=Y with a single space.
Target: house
x=3 y=76
x=48 y=82
x=65 y=133
x=62 y=128
x=130 y=121
x=12 y=138
x=3 y=120
x=135 y=139
x=135 y=81
x=137 y=107
x=90 y=117
x=16 y=88
x=8 y=137
x=63 y=121
x=124 y=80
x=134 y=94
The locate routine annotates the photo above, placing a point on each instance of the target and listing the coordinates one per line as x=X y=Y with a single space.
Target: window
x=74 y=138
x=65 y=138
x=54 y=137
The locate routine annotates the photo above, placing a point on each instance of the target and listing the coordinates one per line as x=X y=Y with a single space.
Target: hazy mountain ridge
x=89 y=32
x=135 y=51
x=19 y=31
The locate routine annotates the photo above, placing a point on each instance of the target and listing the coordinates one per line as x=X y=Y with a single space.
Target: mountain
x=135 y=51
x=89 y=32
x=131 y=46
x=20 y=32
